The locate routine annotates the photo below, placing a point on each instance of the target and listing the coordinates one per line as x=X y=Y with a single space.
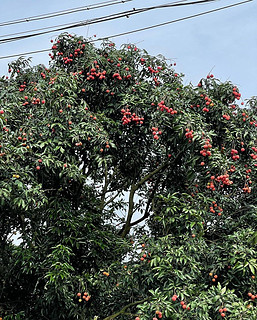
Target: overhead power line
x=64 y=12
x=138 y=30
x=173 y=21
x=88 y=21
x=114 y=16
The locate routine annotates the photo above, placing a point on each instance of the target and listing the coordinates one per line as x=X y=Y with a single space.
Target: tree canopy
x=133 y=195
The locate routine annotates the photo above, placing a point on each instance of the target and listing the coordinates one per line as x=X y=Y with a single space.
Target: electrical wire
x=82 y=22
x=119 y=15
x=173 y=21
x=138 y=30
x=64 y=12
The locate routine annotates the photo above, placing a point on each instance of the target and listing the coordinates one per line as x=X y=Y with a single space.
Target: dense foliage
x=133 y=196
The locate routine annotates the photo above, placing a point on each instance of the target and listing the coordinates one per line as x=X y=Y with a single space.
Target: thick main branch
x=149 y=175
x=126 y=228
x=123 y=310
x=134 y=187
x=105 y=187
x=147 y=209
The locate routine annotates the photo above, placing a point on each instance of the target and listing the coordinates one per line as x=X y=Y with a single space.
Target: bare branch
x=125 y=230
x=110 y=200
x=147 y=209
x=105 y=186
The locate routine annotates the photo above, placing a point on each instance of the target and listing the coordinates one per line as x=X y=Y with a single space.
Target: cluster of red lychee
x=184 y=306
x=247 y=189
x=22 y=87
x=224 y=180
x=35 y=101
x=150 y=69
x=234 y=154
x=222 y=312
x=68 y=59
x=211 y=185
x=252 y=296
x=159 y=315
x=94 y=73
x=206 y=152
x=145 y=255
x=129 y=117
x=163 y=107
x=156 y=133
x=182 y=303
x=215 y=208
x=208 y=102
x=254 y=156
x=85 y=296
x=116 y=75
x=236 y=94
x=189 y=134
x=226 y=116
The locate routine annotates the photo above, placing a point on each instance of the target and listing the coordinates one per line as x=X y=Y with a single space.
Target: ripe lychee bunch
x=222 y=312
x=226 y=116
x=234 y=154
x=224 y=180
x=206 y=152
x=129 y=117
x=236 y=94
x=163 y=107
x=156 y=133
x=189 y=134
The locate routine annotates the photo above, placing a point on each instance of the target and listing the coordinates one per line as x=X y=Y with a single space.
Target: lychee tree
x=133 y=196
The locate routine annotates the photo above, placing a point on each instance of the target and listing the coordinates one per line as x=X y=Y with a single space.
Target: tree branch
x=110 y=200
x=105 y=187
x=123 y=310
x=126 y=228
x=149 y=175
x=146 y=214
x=134 y=188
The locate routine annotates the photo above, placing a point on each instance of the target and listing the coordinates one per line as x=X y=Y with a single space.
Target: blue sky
x=223 y=43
